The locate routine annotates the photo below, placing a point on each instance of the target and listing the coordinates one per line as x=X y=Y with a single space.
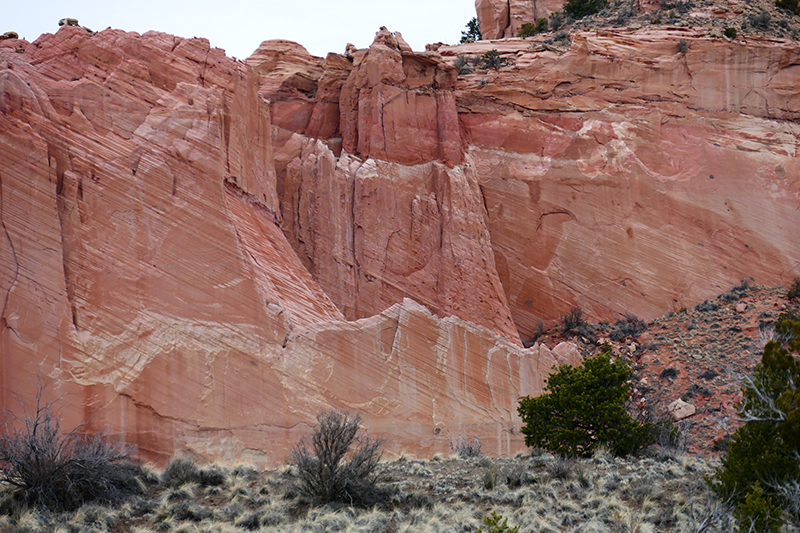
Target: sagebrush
x=330 y=471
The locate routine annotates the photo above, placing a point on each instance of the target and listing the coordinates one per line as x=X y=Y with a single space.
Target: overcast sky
x=239 y=26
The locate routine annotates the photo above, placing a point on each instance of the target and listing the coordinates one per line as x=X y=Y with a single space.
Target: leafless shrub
x=61 y=472
x=466 y=447
x=789 y=492
x=329 y=471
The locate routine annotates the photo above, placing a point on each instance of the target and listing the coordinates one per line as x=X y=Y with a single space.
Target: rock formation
x=626 y=175
x=143 y=268
x=504 y=18
x=208 y=252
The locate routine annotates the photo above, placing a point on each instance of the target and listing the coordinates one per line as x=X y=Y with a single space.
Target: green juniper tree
x=760 y=475
x=585 y=407
x=472 y=33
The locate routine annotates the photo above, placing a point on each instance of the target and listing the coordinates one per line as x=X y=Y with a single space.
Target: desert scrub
x=794 y=290
x=628 y=327
x=445 y=495
x=466 y=447
x=574 y=324
x=493 y=60
x=462 y=63
x=328 y=470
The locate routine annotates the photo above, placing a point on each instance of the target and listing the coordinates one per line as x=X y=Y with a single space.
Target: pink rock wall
x=144 y=271
x=500 y=19
x=623 y=176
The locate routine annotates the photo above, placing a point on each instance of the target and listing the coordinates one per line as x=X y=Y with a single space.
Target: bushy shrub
x=180 y=471
x=582 y=8
x=60 y=472
x=788 y=5
x=761 y=464
x=462 y=64
x=760 y=20
x=472 y=33
x=329 y=471
x=670 y=436
x=706 y=306
x=557 y=19
x=736 y=293
x=492 y=59
x=730 y=33
x=529 y=30
x=584 y=408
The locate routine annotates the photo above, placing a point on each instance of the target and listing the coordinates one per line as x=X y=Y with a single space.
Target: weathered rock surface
x=208 y=252
x=625 y=176
x=143 y=268
x=504 y=18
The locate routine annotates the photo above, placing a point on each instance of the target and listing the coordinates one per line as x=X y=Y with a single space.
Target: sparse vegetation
x=529 y=30
x=628 y=327
x=790 y=6
x=561 y=39
x=462 y=64
x=330 y=471
x=466 y=447
x=557 y=19
x=443 y=495
x=496 y=523
x=574 y=324
x=48 y=469
x=794 y=290
x=584 y=408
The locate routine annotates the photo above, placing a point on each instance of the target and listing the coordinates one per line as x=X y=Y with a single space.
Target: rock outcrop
x=144 y=270
x=500 y=19
x=395 y=216
x=627 y=176
x=207 y=252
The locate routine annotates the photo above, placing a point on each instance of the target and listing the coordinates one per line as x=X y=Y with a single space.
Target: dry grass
x=537 y=492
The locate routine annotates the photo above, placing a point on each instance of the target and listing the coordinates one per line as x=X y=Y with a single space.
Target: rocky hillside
x=691 y=364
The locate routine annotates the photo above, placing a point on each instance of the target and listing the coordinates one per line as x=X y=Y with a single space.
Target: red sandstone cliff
x=143 y=268
x=208 y=252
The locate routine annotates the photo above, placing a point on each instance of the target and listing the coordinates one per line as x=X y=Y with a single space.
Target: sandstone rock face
x=493 y=17
x=399 y=106
x=504 y=18
x=143 y=268
x=208 y=252
x=619 y=177
x=373 y=233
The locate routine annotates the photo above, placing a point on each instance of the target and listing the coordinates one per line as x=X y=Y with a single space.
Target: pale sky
x=239 y=26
